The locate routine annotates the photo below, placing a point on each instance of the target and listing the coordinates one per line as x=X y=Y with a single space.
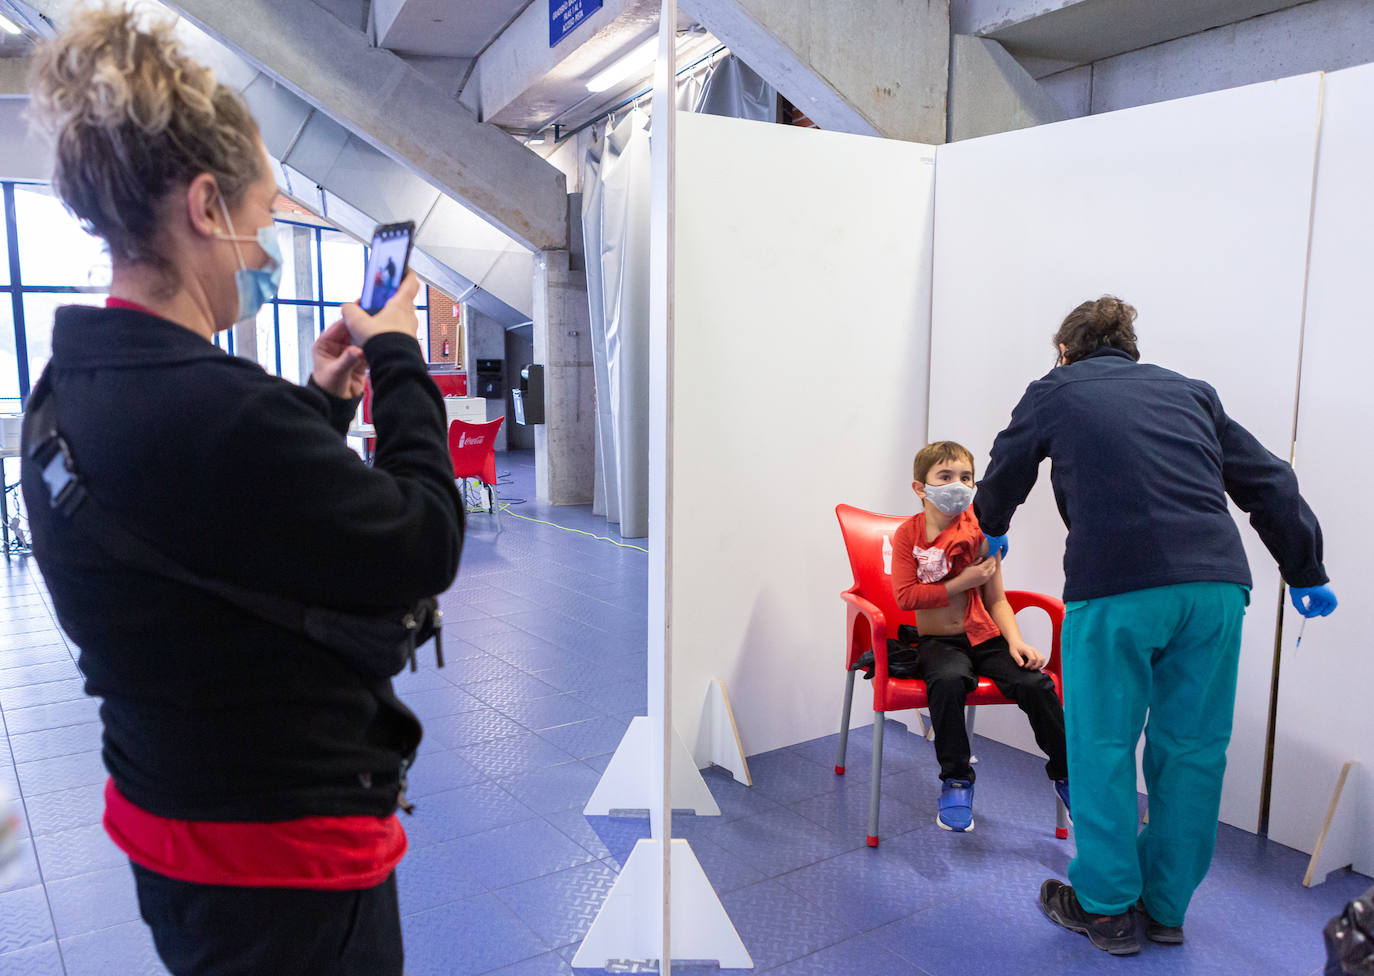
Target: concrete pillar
x=989 y=92
x=246 y=339
x=563 y=462
x=485 y=338
x=875 y=68
x=304 y=320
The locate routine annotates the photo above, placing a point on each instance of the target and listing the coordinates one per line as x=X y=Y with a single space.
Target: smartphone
x=387 y=262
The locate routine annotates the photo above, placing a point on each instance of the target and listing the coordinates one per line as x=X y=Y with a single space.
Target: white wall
x=802 y=304
x=1325 y=717
x=1196 y=212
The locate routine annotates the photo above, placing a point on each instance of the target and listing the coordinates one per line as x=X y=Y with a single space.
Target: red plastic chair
x=472 y=448
x=873 y=614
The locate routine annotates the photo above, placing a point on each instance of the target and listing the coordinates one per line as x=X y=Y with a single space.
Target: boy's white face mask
x=950 y=499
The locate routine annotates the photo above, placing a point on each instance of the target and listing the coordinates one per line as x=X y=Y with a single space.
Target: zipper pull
x=402 y=780
x=439 y=638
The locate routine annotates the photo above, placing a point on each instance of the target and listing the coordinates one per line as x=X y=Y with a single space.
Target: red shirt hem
x=320 y=853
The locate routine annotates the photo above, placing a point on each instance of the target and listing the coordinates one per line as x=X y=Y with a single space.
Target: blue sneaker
x=1061 y=786
x=956 y=806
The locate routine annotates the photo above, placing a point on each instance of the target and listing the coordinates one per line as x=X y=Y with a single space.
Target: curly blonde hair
x=133 y=118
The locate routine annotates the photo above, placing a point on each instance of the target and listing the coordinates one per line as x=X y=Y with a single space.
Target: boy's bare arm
x=999 y=608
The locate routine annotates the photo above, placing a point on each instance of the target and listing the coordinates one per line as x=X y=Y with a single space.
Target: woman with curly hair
x=255 y=772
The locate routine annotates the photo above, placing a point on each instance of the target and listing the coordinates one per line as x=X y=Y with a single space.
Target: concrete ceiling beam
x=394 y=108
x=806 y=49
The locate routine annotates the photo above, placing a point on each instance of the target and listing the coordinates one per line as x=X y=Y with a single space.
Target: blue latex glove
x=997 y=545
x=1312 y=601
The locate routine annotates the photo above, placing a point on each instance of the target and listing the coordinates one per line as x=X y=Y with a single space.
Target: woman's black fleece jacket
x=210 y=713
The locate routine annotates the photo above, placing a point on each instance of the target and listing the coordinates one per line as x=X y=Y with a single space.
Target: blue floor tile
x=42 y=694
x=519 y=852
x=593 y=737
x=449 y=700
x=439 y=770
x=776 y=926
x=553 y=788
x=124 y=949
x=39 y=960
x=514 y=755
x=459 y=812
x=61 y=773
x=38 y=717
x=549 y=713
x=482 y=724
x=93 y=901
x=780 y=843
x=549 y=964
x=24 y=919
x=79 y=851
x=602 y=837
x=50 y=743
x=433 y=876
x=464 y=938
x=859 y=955
x=516 y=686
x=560 y=907
x=21 y=870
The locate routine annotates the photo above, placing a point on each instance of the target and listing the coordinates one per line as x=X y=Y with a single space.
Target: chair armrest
x=1054 y=609
x=877 y=629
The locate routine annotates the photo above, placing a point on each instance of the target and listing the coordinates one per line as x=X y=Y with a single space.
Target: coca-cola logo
x=464 y=440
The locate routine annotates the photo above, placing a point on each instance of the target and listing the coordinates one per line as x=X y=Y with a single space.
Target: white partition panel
x=1196 y=211
x=802 y=330
x=1325 y=716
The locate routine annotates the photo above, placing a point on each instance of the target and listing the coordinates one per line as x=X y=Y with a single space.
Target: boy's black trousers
x=213 y=930
x=950 y=667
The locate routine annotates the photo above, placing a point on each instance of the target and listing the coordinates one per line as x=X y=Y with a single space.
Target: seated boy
x=940 y=569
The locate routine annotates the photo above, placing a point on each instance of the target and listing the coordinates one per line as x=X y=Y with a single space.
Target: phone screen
x=386 y=265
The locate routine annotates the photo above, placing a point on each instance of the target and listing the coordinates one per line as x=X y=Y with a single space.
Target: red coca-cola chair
x=473 y=450
x=873 y=616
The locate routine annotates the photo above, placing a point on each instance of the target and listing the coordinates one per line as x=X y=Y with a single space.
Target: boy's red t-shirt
x=920 y=568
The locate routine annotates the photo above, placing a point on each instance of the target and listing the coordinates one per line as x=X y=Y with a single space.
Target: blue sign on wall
x=565 y=15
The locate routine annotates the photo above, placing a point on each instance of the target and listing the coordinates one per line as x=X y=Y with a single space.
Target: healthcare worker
x=1156 y=585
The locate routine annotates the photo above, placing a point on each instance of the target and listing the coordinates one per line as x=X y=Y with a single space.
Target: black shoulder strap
x=45 y=448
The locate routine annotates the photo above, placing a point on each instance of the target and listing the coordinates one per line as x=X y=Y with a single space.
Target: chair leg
x=495 y=506
x=844 y=723
x=968 y=725
x=875 y=789
x=1061 y=821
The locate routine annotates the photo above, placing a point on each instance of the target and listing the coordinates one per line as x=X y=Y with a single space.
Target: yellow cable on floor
x=599 y=538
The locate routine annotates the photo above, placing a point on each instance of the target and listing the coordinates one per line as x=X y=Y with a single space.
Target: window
x=47 y=260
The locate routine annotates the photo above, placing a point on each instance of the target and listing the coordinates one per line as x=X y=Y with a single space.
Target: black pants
x=211 y=930
x=950 y=667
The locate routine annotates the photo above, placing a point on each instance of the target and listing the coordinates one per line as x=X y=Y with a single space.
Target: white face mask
x=950 y=499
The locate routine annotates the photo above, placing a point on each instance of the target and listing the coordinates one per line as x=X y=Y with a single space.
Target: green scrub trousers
x=1171 y=651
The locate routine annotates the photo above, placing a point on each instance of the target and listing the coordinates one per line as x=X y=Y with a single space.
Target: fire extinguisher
x=445 y=348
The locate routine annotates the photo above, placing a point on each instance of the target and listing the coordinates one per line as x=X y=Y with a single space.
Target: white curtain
x=615 y=229
x=615 y=234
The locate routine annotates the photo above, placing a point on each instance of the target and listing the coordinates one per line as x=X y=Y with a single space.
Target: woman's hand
x=397 y=315
x=340 y=367
x=1025 y=655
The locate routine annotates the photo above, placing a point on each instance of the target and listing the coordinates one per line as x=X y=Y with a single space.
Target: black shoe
x=1158 y=932
x=1110 y=933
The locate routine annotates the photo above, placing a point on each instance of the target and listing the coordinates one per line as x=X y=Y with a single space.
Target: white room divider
x=1197 y=212
x=803 y=270
x=1325 y=716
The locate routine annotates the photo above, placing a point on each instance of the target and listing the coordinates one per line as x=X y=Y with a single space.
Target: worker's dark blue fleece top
x=1142 y=462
